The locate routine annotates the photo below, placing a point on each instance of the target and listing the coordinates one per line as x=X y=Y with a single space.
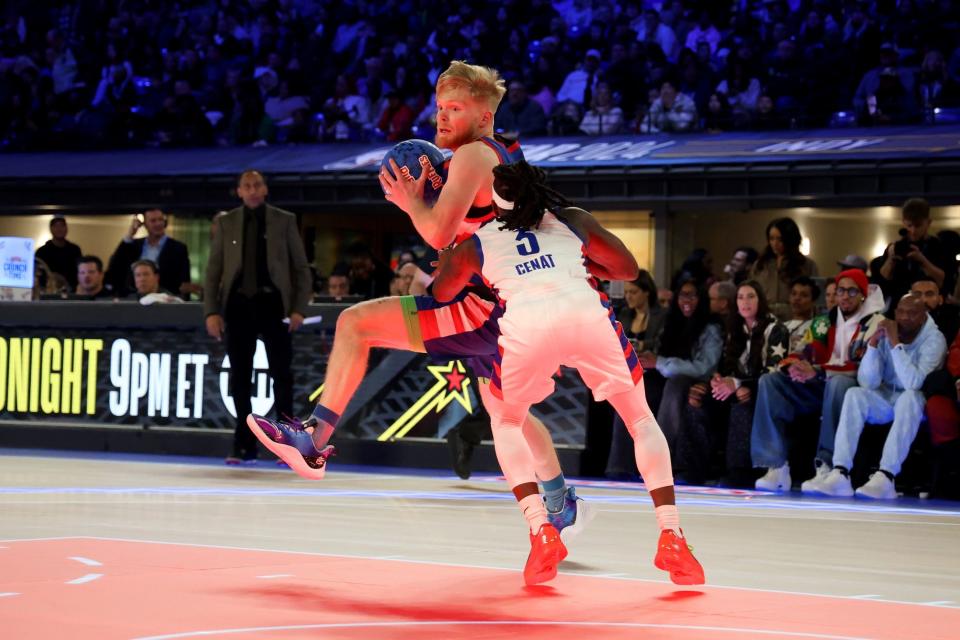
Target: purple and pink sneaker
x=293 y=444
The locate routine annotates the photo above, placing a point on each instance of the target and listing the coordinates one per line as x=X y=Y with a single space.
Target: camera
x=903 y=246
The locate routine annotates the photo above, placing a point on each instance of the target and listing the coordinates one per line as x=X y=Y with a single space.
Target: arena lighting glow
x=805 y=246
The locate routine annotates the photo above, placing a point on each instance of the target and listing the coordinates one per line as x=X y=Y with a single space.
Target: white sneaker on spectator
x=878 y=487
x=813 y=484
x=836 y=484
x=776 y=479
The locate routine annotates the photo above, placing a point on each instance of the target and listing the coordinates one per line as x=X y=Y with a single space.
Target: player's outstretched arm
x=456 y=268
x=609 y=257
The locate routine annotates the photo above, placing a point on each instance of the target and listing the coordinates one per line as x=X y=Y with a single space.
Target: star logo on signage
x=452 y=384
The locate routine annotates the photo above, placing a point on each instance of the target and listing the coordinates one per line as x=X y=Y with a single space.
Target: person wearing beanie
x=815 y=379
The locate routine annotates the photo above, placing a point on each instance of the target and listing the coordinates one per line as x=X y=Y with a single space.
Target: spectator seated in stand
x=519 y=114
x=672 y=112
x=90 y=284
x=338 y=284
x=603 y=118
x=723 y=299
x=738 y=269
x=943 y=417
x=722 y=410
x=900 y=355
x=946 y=316
x=146 y=282
x=804 y=293
x=48 y=285
x=690 y=348
x=814 y=380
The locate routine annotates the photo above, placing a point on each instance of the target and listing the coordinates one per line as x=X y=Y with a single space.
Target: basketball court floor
x=121 y=547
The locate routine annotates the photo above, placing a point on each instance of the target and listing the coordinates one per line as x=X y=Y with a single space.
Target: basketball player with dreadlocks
x=464 y=328
x=538 y=255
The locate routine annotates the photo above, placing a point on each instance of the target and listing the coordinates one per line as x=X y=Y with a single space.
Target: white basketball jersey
x=535 y=262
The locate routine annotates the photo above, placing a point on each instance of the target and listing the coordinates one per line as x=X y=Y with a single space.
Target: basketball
x=412 y=156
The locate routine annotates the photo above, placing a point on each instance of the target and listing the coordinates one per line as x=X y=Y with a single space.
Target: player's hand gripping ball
x=413 y=156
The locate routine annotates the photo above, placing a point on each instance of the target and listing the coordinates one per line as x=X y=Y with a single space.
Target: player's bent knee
x=632 y=406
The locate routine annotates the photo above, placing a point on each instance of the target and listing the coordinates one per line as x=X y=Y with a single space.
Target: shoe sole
x=546 y=568
x=290 y=455
x=585 y=514
x=867 y=496
x=679 y=574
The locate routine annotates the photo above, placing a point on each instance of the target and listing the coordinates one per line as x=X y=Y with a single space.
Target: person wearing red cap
x=815 y=380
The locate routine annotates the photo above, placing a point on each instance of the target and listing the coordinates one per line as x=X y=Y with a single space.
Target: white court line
x=276 y=575
x=90 y=577
x=489 y=567
x=866 y=596
x=44 y=539
x=778 y=515
x=86 y=561
x=8 y=594
x=491 y=623
x=938 y=602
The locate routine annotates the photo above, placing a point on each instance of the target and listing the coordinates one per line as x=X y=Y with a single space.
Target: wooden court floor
x=111 y=546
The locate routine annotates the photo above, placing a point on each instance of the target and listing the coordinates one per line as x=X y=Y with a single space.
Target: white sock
x=668 y=517
x=534 y=511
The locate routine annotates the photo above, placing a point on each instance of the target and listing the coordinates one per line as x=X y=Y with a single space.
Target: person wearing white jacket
x=899 y=357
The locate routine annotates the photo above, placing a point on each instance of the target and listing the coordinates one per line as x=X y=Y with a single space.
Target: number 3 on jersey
x=527 y=243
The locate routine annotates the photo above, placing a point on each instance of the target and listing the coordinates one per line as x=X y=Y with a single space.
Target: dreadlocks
x=525 y=186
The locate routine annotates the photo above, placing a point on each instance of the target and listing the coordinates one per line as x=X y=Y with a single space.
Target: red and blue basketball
x=412 y=156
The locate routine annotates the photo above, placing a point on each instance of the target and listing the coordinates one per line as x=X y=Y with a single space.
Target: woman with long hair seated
x=690 y=349
x=723 y=407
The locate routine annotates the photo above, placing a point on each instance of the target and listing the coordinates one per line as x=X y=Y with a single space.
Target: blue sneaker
x=293 y=444
x=572 y=518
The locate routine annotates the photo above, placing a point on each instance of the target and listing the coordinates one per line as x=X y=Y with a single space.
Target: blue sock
x=326 y=423
x=554 y=490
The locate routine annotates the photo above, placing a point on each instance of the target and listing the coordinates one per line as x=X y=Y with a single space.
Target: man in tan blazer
x=257 y=275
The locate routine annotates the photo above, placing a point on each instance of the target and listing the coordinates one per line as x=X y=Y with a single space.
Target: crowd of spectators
x=749 y=373
x=732 y=363
x=228 y=72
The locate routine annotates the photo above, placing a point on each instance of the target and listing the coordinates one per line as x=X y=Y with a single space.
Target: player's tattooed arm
x=456 y=267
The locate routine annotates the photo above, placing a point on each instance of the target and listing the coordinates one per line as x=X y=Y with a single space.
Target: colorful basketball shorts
x=466 y=329
x=579 y=332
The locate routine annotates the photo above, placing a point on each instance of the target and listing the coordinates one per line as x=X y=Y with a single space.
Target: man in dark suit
x=257 y=274
x=169 y=255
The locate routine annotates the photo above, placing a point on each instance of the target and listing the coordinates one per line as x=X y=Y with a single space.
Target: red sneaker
x=546 y=552
x=675 y=555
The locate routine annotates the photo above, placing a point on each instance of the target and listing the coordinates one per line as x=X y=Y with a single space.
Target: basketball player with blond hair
x=464 y=328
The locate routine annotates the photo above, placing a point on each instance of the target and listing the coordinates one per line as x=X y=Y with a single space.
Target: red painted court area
x=83 y=588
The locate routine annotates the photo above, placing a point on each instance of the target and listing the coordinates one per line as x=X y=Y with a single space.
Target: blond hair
x=483 y=83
